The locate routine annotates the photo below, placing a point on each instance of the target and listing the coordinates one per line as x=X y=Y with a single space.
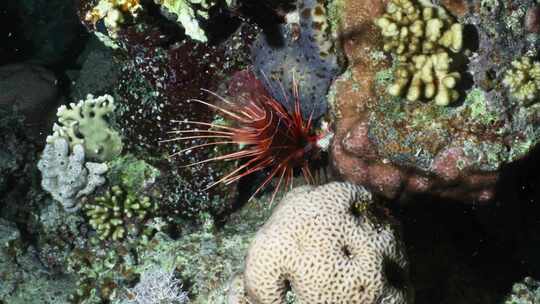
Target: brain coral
x=322 y=243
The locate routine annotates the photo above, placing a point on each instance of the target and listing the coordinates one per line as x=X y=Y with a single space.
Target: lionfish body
x=271 y=139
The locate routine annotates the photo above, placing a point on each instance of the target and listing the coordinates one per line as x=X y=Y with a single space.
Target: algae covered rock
x=322 y=244
x=134 y=174
x=23 y=277
x=397 y=146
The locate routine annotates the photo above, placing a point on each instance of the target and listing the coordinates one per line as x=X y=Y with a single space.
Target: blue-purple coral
x=305 y=53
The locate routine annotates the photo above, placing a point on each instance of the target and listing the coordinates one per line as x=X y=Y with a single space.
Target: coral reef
x=410 y=29
x=161 y=69
x=523 y=80
x=298 y=243
x=117 y=213
x=101 y=270
x=85 y=123
x=56 y=232
x=207 y=257
x=429 y=77
x=525 y=292
x=421 y=35
x=204 y=258
x=155 y=224
x=396 y=147
x=157 y=286
x=153 y=94
x=305 y=54
x=67 y=176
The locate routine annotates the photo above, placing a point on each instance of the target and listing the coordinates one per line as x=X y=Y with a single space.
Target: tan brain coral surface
x=320 y=245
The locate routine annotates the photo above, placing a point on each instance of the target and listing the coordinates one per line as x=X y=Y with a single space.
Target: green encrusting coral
x=132 y=173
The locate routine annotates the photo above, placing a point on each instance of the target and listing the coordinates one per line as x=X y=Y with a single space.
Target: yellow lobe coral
x=523 y=80
x=426 y=77
x=421 y=36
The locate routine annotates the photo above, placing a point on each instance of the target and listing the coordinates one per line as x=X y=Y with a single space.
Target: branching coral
x=427 y=75
x=157 y=286
x=113 y=13
x=117 y=213
x=421 y=36
x=86 y=123
x=409 y=29
x=523 y=80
